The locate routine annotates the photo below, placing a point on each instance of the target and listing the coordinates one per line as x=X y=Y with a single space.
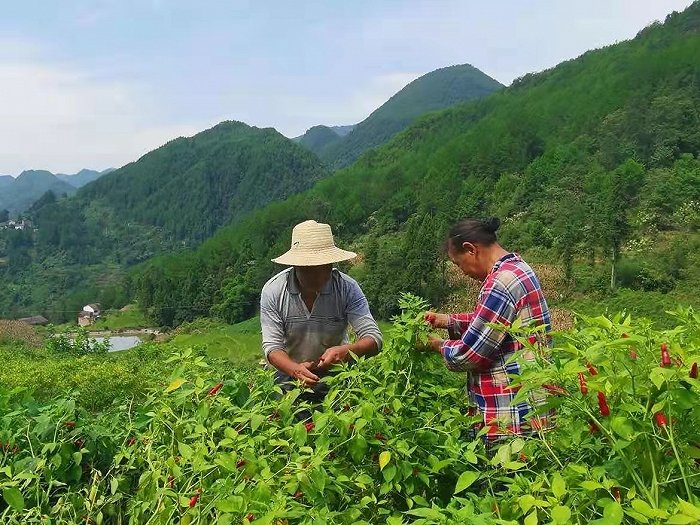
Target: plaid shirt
x=511 y=290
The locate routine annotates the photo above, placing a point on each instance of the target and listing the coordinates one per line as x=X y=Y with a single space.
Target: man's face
x=313 y=277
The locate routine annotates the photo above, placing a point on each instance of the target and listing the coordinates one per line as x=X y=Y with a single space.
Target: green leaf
x=558 y=486
x=230 y=504
x=185 y=450
x=681 y=519
x=14 y=498
x=531 y=518
x=113 y=486
x=591 y=485
x=613 y=513
x=689 y=509
x=526 y=502
x=561 y=514
x=622 y=427
x=465 y=480
x=177 y=383
x=384 y=458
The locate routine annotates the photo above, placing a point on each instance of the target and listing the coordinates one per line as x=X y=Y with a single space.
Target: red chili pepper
x=215 y=390
x=193 y=500
x=532 y=339
x=592 y=369
x=555 y=389
x=665 y=357
x=616 y=494
x=592 y=427
x=603 y=405
x=250 y=517
x=582 y=386
x=694 y=371
x=660 y=419
x=309 y=426
x=298 y=494
x=633 y=353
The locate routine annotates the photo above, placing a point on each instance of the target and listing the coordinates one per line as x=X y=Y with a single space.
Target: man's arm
x=369 y=337
x=272 y=326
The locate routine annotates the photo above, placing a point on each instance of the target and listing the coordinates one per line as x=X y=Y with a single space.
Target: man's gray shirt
x=288 y=325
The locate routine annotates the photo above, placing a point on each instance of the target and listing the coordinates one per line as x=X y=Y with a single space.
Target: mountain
x=343 y=130
x=20 y=193
x=592 y=165
x=83 y=177
x=318 y=138
x=434 y=91
x=171 y=198
x=191 y=186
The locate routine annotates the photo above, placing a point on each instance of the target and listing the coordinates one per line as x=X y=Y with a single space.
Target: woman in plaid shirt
x=510 y=290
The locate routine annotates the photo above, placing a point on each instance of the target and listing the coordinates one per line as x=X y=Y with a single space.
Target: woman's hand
x=435 y=344
x=437 y=320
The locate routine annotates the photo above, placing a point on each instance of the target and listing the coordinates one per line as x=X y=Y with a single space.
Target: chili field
x=390 y=444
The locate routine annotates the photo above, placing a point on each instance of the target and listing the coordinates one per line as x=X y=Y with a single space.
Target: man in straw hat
x=305 y=311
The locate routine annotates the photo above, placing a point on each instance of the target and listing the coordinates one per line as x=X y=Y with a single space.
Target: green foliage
x=434 y=91
x=390 y=444
x=570 y=159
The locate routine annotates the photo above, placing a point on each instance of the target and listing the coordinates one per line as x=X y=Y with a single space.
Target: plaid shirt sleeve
x=479 y=343
x=458 y=323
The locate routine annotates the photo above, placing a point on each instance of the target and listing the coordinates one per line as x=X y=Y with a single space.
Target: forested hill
x=173 y=197
x=191 y=186
x=16 y=195
x=436 y=90
x=595 y=157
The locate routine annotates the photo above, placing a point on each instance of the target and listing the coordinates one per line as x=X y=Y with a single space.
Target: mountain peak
x=433 y=91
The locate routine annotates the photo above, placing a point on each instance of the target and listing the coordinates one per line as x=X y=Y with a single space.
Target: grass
x=240 y=344
x=129 y=318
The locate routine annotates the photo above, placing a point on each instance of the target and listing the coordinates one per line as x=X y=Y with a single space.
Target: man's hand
x=436 y=320
x=333 y=356
x=302 y=372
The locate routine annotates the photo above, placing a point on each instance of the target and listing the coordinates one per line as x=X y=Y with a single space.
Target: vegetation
x=390 y=443
x=593 y=166
x=436 y=90
x=171 y=198
x=19 y=194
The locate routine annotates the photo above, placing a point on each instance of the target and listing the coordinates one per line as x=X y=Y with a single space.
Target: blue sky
x=99 y=83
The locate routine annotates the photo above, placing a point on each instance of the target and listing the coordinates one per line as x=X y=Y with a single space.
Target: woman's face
x=467 y=259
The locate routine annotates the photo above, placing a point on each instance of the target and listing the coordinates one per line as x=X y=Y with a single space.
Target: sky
x=97 y=84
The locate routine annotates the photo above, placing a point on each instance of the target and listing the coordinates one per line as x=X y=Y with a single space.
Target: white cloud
x=60 y=118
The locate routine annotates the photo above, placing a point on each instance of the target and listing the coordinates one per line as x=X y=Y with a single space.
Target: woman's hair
x=474 y=231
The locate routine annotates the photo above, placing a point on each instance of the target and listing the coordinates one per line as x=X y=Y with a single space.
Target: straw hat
x=312 y=245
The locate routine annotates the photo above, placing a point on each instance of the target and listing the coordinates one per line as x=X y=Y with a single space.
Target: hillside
x=173 y=197
x=19 y=194
x=436 y=90
x=592 y=160
x=191 y=186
